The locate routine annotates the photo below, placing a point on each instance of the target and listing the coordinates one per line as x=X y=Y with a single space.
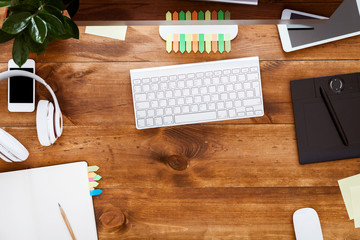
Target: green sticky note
x=182 y=15
x=169 y=41
x=208 y=43
x=227 y=43
x=188 y=15
x=207 y=15
x=220 y=15
x=168 y=16
x=221 y=43
x=97 y=177
x=201 y=15
x=93 y=184
x=182 y=43
x=188 y=42
x=92 y=168
x=201 y=42
x=227 y=15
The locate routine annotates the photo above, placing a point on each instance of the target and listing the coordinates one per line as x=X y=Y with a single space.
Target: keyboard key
x=189 y=100
x=202 y=107
x=151 y=113
x=162 y=103
x=252 y=76
x=163 y=78
x=181 y=101
x=249 y=94
x=227 y=72
x=146 y=88
x=172 y=102
x=203 y=90
x=142 y=105
x=258 y=107
x=222 y=114
x=208 y=74
x=240 y=109
x=195 y=91
x=137 y=89
x=168 y=111
x=149 y=122
x=195 y=117
x=232 y=113
x=146 y=80
x=155 y=79
x=141 y=114
x=224 y=96
x=137 y=81
x=140 y=97
x=232 y=78
x=217 y=73
x=229 y=87
x=181 y=84
x=245 y=70
x=236 y=71
x=173 y=78
x=197 y=99
x=172 y=85
x=197 y=82
x=215 y=97
x=253 y=69
x=249 y=102
x=259 y=112
x=194 y=108
x=199 y=74
x=177 y=110
x=158 y=121
x=241 y=78
x=229 y=104
x=237 y=103
x=247 y=85
x=224 y=80
x=154 y=104
x=232 y=95
x=141 y=123
x=159 y=112
x=154 y=87
x=190 y=83
x=221 y=88
x=168 y=119
x=163 y=86
x=168 y=94
x=211 y=106
x=160 y=95
x=182 y=76
x=207 y=81
x=212 y=89
x=191 y=75
x=177 y=93
x=241 y=95
x=185 y=109
x=206 y=98
x=220 y=105
x=216 y=80
x=186 y=92
x=151 y=96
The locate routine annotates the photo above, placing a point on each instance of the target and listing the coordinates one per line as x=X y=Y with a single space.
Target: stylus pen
x=334 y=117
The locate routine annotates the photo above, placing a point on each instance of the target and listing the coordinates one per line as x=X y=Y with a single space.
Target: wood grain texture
x=224 y=180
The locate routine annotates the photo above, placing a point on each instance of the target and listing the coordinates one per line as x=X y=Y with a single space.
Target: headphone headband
x=21 y=73
x=58 y=122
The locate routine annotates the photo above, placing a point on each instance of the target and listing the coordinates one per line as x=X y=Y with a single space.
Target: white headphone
x=49 y=123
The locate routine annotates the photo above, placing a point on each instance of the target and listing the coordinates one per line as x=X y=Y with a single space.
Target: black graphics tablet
x=317 y=136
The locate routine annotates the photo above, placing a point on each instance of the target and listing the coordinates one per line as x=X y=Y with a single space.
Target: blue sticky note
x=95 y=192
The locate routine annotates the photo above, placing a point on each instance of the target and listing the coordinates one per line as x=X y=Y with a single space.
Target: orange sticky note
x=214 y=43
x=195 y=42
x=194 y=15
x=175 y=16
x=214 y=15
x=176 y=43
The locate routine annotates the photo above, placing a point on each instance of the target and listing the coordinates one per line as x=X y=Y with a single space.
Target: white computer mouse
x=307 y=224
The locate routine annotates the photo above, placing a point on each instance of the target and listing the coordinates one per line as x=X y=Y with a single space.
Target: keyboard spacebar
x=195 y=117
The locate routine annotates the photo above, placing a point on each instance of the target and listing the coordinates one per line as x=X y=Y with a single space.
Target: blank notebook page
x=29 y=203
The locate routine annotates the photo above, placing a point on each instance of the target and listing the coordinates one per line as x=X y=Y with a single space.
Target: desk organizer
x=198 y=37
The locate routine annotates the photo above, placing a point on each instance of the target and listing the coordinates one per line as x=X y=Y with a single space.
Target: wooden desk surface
x=226 y=180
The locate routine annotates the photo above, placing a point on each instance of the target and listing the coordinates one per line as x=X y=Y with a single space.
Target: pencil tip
x=59 y=204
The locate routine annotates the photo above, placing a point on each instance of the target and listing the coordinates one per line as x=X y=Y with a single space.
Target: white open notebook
x=29 y=203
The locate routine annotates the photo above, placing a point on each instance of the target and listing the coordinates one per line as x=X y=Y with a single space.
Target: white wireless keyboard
x=197 y=92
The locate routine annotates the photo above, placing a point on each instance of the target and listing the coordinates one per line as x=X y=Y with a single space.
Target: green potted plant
x=33 y=24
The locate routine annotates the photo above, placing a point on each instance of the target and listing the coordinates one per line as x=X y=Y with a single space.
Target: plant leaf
x=54 y=11
x=59 y=4
x=23 y=8
x=17 y=22
x=71 y=30
x=20 y=51
x=38 y=30
x=54 y=25
x=35 y=3
x=4 y=37
x=5 y=3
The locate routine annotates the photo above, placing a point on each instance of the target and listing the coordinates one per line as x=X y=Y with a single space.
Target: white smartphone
x=21 y=90
x=284 y=31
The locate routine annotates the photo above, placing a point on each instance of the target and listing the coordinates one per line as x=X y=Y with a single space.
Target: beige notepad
x=115 y=32
x=345 y=187
x=29 y=203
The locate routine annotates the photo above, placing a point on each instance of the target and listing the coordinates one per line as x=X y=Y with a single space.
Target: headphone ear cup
x=50 y=119
x=42 y=122
x=11 y=150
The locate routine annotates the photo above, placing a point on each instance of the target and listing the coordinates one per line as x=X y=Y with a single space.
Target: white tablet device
x=284 y=33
